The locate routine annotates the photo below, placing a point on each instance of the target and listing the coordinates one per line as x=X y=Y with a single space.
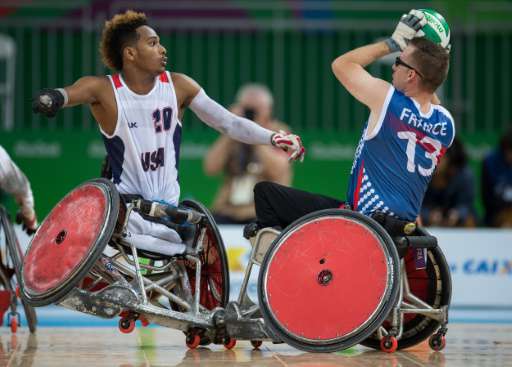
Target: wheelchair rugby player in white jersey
x=139 y=110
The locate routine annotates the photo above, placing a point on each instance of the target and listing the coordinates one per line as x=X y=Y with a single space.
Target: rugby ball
x=437 y=29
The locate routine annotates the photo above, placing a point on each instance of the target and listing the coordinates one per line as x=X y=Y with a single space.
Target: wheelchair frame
x=168 y=273
x=163 y=291
x=14 y=253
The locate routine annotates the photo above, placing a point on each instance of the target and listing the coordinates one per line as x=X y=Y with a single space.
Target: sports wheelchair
x=332 y=279
x=10 y=276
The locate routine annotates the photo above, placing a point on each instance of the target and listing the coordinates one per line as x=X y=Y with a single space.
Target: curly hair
x=118 y=33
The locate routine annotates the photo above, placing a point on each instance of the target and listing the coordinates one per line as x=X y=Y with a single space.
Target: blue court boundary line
x=480 y=308
x=478 y=321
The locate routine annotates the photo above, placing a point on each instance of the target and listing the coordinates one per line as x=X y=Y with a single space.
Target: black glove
x=29 y=224
x=47 y=102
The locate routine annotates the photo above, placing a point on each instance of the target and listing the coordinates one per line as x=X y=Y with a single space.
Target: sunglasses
x=399 y=61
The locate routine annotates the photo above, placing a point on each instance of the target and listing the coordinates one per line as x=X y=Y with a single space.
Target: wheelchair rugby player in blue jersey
x=405 y=136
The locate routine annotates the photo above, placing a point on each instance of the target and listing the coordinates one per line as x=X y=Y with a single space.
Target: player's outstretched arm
x=84 y=91
x=226 y=122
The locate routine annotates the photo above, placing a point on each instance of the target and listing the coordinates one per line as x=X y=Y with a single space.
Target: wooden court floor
x=481 y=345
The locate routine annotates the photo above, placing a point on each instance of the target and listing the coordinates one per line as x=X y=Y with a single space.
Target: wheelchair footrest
x=244 y=328
x=106 y=303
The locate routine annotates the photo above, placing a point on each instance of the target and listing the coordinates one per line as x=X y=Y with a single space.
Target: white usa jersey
x=143 y=151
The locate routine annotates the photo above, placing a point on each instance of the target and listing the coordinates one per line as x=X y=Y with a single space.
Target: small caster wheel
x=205 y=340
x=437 y=342
x=256 y=344
x=13 y=321
x=126 y=326
x=388 y=344
x=143 y=321
x=229 y=343
x=14 y=325
x=193 y=341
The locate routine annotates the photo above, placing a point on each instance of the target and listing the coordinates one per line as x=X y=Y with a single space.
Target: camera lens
x=249 y=113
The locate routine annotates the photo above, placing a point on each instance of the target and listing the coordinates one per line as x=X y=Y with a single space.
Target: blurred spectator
x=497 y=184
x=245 y=165
x=449 y=200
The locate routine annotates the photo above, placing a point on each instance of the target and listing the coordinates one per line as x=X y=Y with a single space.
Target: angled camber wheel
x=432 y=285
x=328 y=281
x=16 y=255
x=214 y=269
x=69 y=242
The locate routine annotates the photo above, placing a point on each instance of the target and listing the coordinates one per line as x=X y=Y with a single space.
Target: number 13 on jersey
x=412 y=140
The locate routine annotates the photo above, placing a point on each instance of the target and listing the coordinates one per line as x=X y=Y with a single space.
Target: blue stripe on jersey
x=392 y=169
x=115 y=152
x=176 y=139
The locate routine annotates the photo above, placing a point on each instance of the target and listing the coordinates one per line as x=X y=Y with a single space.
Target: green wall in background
x=56 y=162
x=295 y=65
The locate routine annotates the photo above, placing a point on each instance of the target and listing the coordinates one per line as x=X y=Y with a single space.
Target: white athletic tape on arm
x=238 y=128
x=65 y=95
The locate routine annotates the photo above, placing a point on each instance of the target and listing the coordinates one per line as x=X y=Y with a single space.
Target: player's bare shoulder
x=103 y=103
x=104 y=89
x=186 y=88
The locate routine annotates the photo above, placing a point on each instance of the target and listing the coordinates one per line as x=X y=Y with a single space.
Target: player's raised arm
x=349 y=67
x=226 y=122
x=84 y=91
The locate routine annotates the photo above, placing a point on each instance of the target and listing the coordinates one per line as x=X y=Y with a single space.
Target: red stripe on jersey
x=358 y=186
x=164 y=78
x=117 y=81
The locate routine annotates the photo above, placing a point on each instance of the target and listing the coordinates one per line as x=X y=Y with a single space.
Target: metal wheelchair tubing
x=252 y=261
x=138 y=274
x=154 y=286
x=418 y=307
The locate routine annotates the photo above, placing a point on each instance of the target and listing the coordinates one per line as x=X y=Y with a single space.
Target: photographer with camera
x=245 y=165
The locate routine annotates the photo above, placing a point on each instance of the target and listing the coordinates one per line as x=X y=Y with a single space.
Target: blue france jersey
x=393 y=164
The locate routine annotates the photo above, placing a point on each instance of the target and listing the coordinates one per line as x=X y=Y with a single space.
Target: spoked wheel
x=16 y=255
x=214 y=263
x=69 y=242
x=433 y=286
x=328 y=280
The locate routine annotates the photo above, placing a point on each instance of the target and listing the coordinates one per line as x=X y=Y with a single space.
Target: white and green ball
x=437 y=29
